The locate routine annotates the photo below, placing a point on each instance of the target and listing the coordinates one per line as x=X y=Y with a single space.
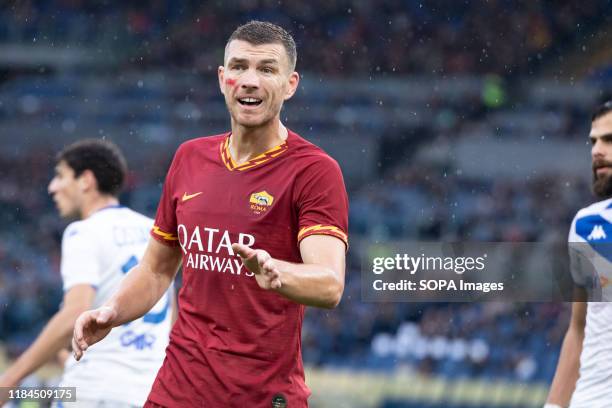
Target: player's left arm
x=319 y=281
x=322 y=208
x=55 y=336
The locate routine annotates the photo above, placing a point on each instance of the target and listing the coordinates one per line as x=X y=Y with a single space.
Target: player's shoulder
x=136 y=216
x=115 y=215
x=197 y=148
x=596 y=208
x=308 y=154
x=592 y=222
x=77 y=230
x=201 y=143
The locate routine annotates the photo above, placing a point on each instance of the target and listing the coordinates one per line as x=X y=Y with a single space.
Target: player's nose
x=597 y=151
x=52 y=187
x=249 y=79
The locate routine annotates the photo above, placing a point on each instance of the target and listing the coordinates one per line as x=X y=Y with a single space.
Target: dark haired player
x=258 y=217
x=584 y=371
x=97 y=252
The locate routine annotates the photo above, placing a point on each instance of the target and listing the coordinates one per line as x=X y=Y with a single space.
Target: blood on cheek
x=230 y=82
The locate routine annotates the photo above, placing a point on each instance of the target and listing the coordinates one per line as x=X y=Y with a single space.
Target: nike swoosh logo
x=190 y=196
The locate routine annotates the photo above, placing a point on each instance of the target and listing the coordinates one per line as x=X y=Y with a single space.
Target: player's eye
x=267 y=70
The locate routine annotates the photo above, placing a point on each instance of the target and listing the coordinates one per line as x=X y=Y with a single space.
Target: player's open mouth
x=249 y=101
x=602 y=169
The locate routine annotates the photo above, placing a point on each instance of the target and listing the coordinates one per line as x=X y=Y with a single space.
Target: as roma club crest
x=260 y=202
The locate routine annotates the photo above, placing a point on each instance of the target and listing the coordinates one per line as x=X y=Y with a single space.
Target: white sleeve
x=80 y=263
x=581 y=267
x=582 y=270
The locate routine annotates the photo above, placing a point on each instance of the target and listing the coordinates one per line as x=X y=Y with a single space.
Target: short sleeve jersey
x=235 y=344
x=100 y=251
x=590 y=245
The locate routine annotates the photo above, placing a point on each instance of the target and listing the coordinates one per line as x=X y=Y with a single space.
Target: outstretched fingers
x=276 y=284
x=76 y=350
x=79 y=345
x=270 y=269
x=272 y=273
x=260 y=263
x=243 y=251
x=262 y=258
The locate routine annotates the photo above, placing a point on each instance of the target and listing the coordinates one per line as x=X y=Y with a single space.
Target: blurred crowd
x=339 y=37
x=437 y=204
x=511 y=341
x=507 y=340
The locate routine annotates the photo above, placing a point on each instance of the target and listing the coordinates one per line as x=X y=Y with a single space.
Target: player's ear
x=221 y=74
x=294 y=81
x=87 y=180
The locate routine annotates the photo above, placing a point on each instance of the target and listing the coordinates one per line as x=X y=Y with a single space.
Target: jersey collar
x=265 y=157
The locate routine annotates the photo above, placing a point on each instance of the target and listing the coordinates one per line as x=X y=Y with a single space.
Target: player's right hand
x=91 y=327
x=5 y=384
x=261 y=264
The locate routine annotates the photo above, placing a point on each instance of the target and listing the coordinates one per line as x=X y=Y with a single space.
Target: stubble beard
x=602 y=186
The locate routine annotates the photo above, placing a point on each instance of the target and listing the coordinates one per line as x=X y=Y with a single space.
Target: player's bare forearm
x=143 y=286
x=138 y=293
x=567 y=373
x=318 y=281
x=146 y=283
x=310 y=284
x=54 y=337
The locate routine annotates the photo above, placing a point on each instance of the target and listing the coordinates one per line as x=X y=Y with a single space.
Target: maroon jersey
x=235 y=344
